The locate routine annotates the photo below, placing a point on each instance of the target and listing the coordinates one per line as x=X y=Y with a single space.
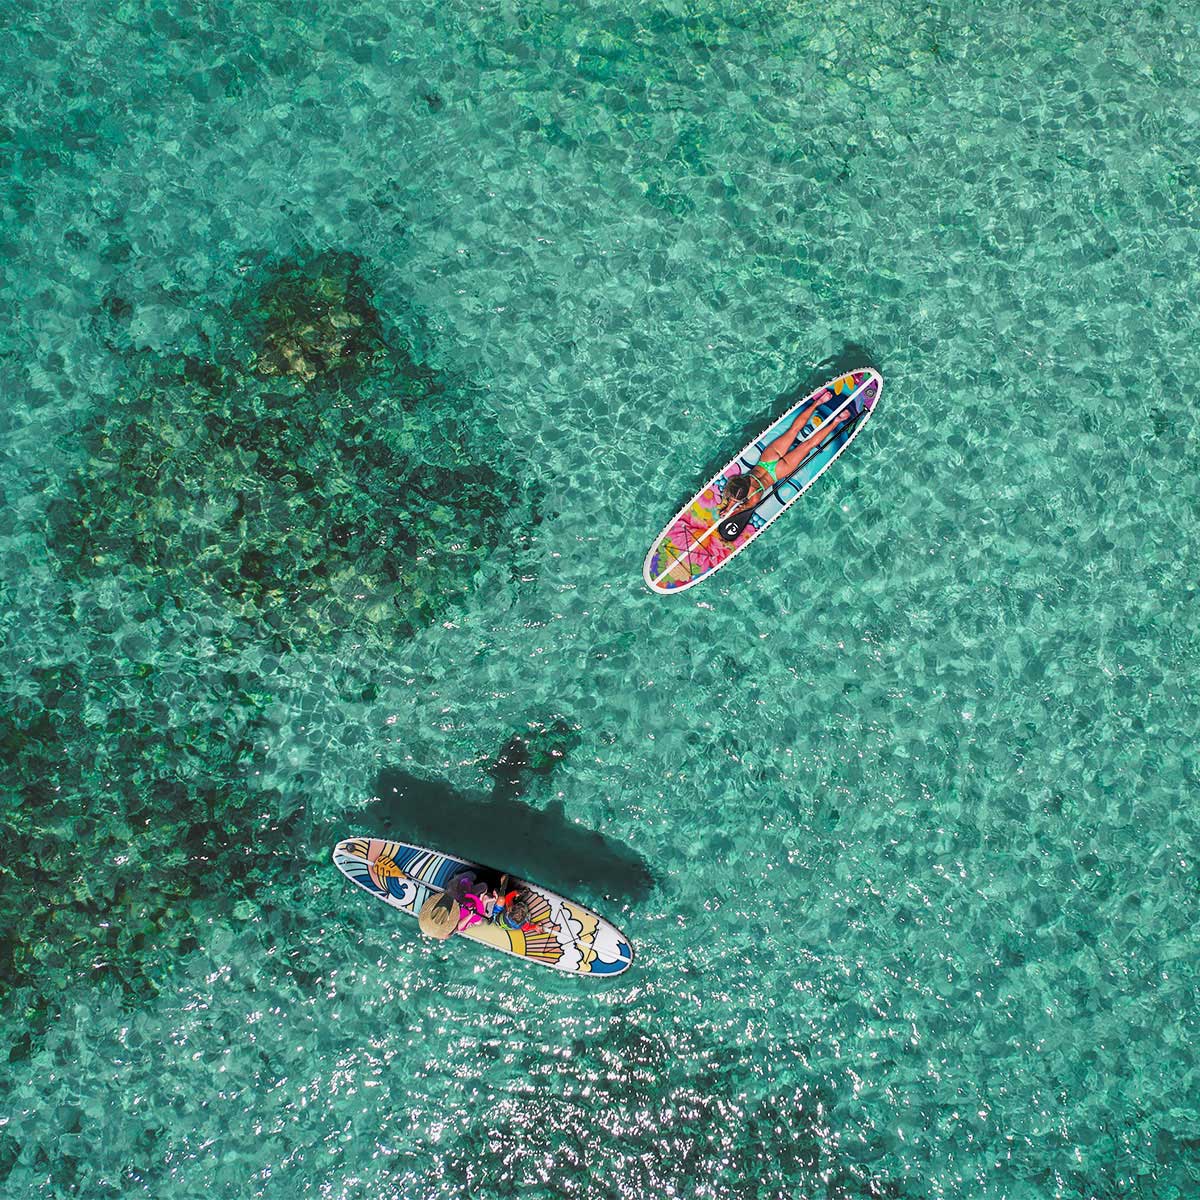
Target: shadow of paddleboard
x=500 y=830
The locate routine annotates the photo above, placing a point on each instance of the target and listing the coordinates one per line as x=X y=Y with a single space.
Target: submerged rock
x=313 y=475
x=724 y=1111
x=132 y=833
x=306 y=478
x=314 y=317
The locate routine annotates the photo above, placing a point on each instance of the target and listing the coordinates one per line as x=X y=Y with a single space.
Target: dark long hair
x=738 y=488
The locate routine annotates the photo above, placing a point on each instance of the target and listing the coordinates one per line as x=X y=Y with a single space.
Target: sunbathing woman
x=517 y=913
x=777 y=461
x=477 y=906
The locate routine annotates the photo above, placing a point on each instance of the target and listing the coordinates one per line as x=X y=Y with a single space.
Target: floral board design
x=566 y=936
x=692 y=546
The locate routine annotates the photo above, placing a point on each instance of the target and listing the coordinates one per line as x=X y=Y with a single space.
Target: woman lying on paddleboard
x=509 y=909
x=777 y=461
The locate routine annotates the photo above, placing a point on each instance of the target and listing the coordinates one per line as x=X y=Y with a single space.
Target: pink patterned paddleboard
x=692 y=546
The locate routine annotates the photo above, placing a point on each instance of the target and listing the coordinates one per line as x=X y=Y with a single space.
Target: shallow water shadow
x=851 y=357
x=502 y=831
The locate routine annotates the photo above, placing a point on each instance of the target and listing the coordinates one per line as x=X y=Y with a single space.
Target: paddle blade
x=731 y=528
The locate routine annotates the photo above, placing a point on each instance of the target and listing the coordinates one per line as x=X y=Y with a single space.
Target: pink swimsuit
x=476 y=914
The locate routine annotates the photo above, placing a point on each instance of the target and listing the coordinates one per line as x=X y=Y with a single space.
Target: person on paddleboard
x=479 y=906
x=510 y=911
x=483 y=901
x=480 y=897
x=516 y=914
x=776 y=461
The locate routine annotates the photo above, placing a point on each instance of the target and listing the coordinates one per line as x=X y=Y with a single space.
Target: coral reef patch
x=712 y=1115
x=308 y=478
x=310 y=474
x=128 y=830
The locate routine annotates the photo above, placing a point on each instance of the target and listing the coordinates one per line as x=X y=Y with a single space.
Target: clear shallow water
x=913 y=779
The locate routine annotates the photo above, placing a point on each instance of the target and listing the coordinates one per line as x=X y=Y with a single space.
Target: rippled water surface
x=350 y=357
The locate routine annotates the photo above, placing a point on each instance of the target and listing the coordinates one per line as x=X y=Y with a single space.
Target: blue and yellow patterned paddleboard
x=572 y=938
x=691 y=547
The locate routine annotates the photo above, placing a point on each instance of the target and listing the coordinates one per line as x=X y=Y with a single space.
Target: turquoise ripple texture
x=351 y=355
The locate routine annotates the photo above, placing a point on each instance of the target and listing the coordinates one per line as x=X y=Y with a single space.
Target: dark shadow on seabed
x=500 y=830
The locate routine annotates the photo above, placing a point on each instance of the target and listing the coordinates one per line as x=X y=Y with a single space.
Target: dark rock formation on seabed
x=682 y=1105
x=130 y=825
x=310 y=474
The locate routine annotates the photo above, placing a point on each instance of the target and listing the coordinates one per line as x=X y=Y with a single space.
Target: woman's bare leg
x=790 y=461
x=778 y=448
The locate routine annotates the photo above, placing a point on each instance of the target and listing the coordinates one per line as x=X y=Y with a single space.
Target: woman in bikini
x=508 y=909
x=476 y=907
x=777 y=461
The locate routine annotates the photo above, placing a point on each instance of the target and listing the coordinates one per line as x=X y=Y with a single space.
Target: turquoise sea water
x=350 y=357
